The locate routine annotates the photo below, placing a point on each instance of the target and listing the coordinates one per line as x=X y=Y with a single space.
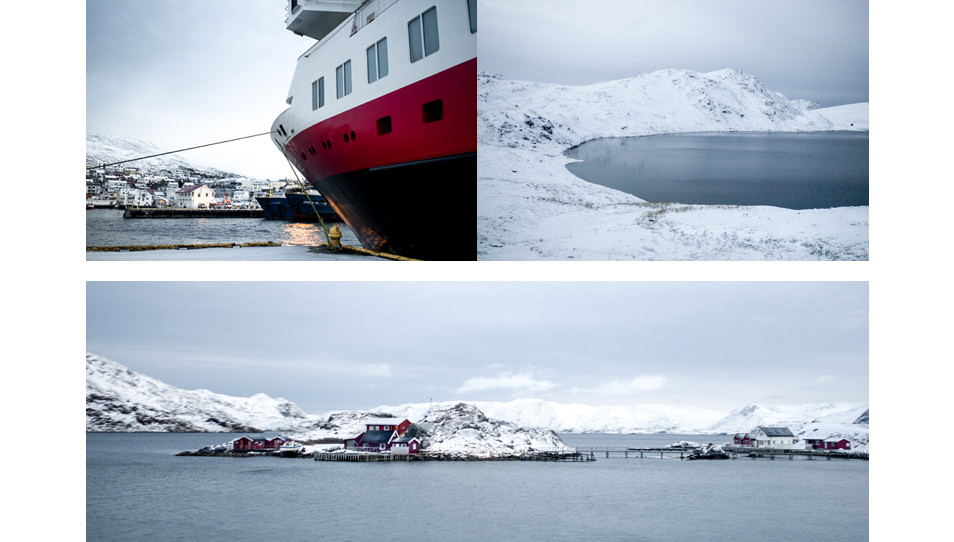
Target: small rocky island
x=458 y=432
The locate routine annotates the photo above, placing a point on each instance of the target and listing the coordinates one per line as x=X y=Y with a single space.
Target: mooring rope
x=180 y=150
x=304 y=188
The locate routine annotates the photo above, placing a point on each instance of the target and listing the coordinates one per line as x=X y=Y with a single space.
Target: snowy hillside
x=827 y=420
x=121 y=400
x=578 y=418
x=118 y=399
x=103 y=149
x=455 y=429
x=842 y=419
x=530 y=207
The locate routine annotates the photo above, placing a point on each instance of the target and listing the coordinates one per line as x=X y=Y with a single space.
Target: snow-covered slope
x=454 y=429
x=826 y=420
x=840 y=419
x=118 y=399
x=529 y=206
x=104 y=149
x=579 y=418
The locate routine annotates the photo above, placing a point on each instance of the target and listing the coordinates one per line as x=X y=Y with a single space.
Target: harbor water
x=804 y=170
x=137 y=489
x=107 y=227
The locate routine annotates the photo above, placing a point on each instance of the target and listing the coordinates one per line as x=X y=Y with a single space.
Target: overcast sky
x=811 y=49
x=181 y=73
x=328 y=346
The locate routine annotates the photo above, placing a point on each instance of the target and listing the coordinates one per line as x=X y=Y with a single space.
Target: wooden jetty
x=172 y=212
x=543 y=455
x=771 y=453
x=637 y=453
x=187 y=246
x=733 y=451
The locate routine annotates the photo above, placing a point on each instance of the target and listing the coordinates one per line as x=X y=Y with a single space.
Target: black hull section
x=424 y=210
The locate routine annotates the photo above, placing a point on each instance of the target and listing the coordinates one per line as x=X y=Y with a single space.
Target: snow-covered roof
x=377 y=437
x=776 y=431
x=384 y=421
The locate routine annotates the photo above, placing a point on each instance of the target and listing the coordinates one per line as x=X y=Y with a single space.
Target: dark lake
x=800 y=170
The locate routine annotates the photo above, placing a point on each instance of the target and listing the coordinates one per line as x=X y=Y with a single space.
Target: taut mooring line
x=180 y=150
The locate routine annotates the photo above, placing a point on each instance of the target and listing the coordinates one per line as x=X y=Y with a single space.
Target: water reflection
x=793 y=170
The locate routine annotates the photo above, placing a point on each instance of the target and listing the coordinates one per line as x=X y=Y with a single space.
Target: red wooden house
x=742 y=439
x=248 y=444
x=828 y=444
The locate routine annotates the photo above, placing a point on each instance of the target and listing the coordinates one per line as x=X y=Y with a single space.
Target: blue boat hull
x=304 y=207
x=276 y=208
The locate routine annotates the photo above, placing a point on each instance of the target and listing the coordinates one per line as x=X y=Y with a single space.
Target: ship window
x=433 y=111
x=384 y=125
x=472 y=11
x=318 y=88
x=372 y=65
x=422 y=35
x=343 y=73
x=414 y=37
x=378 y=60
x=431 y=41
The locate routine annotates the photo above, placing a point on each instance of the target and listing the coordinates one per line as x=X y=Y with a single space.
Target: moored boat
x=309 y=204
x=290 y=448
x=382 y=120
x=275 y=207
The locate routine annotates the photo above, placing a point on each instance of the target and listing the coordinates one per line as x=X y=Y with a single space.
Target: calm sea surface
x=137 y=489
x=107 y=227
x=805 y=170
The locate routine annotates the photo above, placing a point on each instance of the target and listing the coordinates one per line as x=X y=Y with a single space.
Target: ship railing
x=363 y=16
x=368 y=11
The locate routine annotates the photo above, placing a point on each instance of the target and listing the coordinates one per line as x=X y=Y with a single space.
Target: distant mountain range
x=104 y=149
x=121 y=400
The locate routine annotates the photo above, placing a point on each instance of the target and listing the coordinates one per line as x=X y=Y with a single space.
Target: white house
x=774 y=437
x=197 y=196
x=138 y=198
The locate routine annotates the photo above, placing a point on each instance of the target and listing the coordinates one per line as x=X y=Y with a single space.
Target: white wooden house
x=197 y=196
x=775 y=437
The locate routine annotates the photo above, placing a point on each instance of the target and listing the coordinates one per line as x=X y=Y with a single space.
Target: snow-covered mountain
x=514 y=113
x=579 y=418
x=118 y=399
x=842 y=419
x=104 y=149
x=530 y=207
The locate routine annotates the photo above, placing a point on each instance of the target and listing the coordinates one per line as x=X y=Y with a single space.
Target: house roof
x=409 y=435
x=384 y=421
x=187 y=189
x=377 y=437
x=776 y=431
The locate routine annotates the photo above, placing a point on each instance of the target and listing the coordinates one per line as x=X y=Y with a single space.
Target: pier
x=734 y=453
x=181 y=246
x=172 y=212
x=561 y=455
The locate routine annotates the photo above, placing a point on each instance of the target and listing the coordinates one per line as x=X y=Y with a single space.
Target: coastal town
x=119 y=187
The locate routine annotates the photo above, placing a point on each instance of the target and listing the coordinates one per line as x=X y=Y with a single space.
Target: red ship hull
x=401 y=169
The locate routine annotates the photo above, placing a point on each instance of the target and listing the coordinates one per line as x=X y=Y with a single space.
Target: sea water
x=107 y=227
x=137 y=489
x=804 y=170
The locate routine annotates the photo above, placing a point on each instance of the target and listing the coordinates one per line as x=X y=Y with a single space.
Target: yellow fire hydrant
x=334 y=238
